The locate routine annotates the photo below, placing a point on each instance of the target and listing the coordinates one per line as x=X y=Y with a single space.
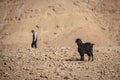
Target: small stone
x=5 y=63
x=66 y=77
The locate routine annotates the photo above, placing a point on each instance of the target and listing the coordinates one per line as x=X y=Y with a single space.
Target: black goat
x=85 y=48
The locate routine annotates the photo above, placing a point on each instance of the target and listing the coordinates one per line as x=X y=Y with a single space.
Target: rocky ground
x=59 y=64
x=58 y=23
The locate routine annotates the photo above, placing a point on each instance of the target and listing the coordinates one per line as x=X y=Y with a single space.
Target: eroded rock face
x=59 y=63
x=59 y=22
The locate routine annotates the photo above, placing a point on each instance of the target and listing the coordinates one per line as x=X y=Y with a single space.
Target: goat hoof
x=81 y=60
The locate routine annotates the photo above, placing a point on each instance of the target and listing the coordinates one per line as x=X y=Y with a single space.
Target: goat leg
x=89 y=58
x=82 y=57
x=92 y=57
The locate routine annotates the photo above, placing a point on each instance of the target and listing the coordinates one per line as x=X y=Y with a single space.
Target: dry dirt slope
x=59 y=20
x=59 y=64
x=59 y=23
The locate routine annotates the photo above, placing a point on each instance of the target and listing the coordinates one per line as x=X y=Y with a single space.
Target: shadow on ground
x=72 y=59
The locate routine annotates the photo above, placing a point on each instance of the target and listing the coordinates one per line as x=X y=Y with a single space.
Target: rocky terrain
x=59 y=64
x=58 y=23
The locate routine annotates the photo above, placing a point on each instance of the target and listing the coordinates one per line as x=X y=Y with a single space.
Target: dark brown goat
x=85 y=48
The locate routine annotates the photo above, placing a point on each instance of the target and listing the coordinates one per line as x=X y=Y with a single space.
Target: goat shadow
x=75 y=59
x=72 y=59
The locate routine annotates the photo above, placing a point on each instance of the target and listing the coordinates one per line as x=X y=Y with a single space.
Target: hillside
x=59 y=22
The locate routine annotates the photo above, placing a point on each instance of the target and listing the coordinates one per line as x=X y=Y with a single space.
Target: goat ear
x=75 y=41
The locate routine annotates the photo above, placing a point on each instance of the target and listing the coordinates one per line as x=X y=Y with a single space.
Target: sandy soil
x=59 y=22
x=59 y=64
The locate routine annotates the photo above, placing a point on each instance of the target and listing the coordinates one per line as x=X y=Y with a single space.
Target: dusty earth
x=58 y=23
x=59 y=64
